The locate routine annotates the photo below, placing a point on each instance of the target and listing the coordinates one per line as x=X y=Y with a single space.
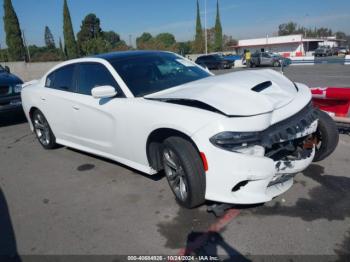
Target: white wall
x=270 y=40
x=291 y=48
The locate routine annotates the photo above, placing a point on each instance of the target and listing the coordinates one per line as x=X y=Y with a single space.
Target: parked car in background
x=268 y=59
x=215 y=62
x=232 y=57
x=323 y=51
x=343 y=50
x=335 y=50
x=10 y=91
x=234 y=138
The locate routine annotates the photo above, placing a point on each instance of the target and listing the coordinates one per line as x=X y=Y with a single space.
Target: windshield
x=1 y=68
x=150 y=73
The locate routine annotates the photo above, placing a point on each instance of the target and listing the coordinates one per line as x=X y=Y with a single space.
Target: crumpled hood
x=232 y=93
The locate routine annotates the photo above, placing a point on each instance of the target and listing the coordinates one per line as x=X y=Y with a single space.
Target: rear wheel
x=327 y=136
x=184 y=171
x=43 y=131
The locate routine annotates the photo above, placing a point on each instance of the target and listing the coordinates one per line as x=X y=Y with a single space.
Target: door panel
x=57 y=99
x=95 y=124
x=58 y=111
x=96 y=119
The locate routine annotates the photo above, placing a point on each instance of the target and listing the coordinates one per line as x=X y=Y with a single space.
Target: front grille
x=4 y=90
x=288 y=128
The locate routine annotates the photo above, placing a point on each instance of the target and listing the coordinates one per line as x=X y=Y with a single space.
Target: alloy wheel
x=42 y=129
x=175 y=174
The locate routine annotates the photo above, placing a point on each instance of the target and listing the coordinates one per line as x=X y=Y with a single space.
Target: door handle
x=43 y=98
x=76 y=107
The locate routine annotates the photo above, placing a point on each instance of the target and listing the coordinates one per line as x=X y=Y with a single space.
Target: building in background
x=288 y=46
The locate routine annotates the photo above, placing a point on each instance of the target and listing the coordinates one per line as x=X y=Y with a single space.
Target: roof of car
x=123 y=54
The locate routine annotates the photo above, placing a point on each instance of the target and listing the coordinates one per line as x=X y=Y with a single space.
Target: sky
x=240 y=19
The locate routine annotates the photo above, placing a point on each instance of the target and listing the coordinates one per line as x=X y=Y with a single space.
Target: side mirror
x=103 y=92
x=7 y=69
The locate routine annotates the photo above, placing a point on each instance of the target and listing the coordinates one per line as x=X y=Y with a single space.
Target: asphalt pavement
x=320 y=75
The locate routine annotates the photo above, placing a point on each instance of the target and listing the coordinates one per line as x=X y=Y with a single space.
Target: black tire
x=189 y=168
x=43 y=130
x=328 y=136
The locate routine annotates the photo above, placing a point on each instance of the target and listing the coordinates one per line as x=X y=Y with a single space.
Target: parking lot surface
x=319 y=75
x=66 y=202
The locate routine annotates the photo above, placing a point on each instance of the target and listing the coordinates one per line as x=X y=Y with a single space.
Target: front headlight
x=241 y=142
x=17 y=88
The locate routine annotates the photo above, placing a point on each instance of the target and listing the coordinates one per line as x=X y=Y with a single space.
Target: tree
x=120 y=46
x=4 y=55
x=70 y=43
x=287 y=28
x=218 y=44
x=167 y=40
x=93 y=40
x=49 y=40
x=95 y=46
x=143 y=41
x=184 y=48
x=43 y=54
x=341 y=35
x=163 y=41
x=112 y=38
x=198 y=44
x=62 y=53
x=90 y=29
x=14 y=41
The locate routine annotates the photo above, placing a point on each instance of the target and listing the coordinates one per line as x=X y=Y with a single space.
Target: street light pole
x=205 y=27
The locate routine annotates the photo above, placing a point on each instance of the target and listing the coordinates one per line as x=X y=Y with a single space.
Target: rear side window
x=62 y=79
x=91 y=75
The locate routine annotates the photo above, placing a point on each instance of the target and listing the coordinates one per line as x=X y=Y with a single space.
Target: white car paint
x=232 y=94
x=119 y=128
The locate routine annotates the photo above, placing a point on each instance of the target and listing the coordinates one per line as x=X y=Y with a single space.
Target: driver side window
x=91 y=75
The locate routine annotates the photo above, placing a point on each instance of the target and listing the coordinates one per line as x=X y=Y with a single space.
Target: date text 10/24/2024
x=173 y=258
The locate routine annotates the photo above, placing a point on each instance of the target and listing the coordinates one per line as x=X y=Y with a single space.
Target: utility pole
x=130 y=40
x=205 y=27
x=25 y=45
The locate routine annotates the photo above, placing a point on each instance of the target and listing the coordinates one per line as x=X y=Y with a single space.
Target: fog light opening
x=239 y=185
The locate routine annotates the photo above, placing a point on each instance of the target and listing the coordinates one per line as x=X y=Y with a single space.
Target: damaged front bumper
x=239 y=178
x=243 y=179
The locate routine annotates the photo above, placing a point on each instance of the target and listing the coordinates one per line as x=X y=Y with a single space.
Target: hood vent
x=262 y=86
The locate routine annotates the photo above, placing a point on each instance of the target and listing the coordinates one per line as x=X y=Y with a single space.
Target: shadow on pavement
x=88 y=166
x=12 y=118
x=8 y=246
x=207 y=244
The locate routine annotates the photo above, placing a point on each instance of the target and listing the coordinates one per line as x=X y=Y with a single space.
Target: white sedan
x=234 y=138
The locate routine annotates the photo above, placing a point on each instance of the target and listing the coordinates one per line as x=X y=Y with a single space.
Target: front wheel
x=184 y=171
x=43 y=131
x=327 y=136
